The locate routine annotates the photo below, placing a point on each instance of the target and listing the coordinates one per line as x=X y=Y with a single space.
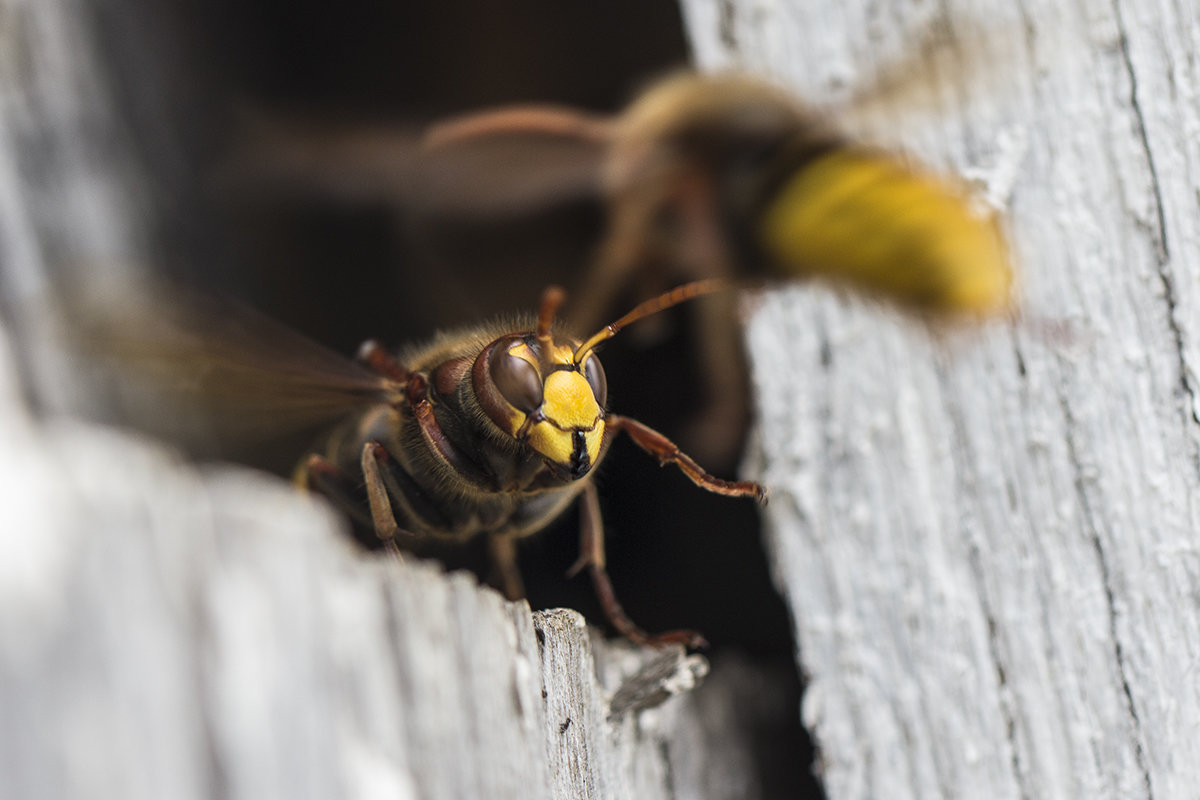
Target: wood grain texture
x=989 y=539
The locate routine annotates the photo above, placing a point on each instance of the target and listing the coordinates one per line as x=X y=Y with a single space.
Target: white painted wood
x=989 y=540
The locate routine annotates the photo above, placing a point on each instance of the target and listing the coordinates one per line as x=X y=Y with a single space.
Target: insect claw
x=584 y=560
x=393 y=550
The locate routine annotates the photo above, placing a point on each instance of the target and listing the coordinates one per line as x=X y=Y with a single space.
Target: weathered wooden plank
x=989 y=544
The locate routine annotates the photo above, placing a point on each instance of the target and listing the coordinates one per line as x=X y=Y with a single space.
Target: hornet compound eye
x=517 y=380
x=594 y=374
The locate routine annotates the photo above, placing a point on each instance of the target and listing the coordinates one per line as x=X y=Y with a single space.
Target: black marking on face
x=580 y=463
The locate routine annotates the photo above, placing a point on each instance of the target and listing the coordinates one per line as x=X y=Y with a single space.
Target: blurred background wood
x=989 y=543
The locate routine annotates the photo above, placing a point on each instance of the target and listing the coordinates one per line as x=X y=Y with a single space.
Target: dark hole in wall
x=340 y=269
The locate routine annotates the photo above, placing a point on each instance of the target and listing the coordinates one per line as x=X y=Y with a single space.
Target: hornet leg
x=505 y=575
x=667 y=451
x=591 y=546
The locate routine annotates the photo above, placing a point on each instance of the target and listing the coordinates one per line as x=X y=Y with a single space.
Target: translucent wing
x=209 y=373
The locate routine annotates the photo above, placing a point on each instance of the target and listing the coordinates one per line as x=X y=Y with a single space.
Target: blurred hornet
x=723 y=176
x=702 y=176
x=496 y=430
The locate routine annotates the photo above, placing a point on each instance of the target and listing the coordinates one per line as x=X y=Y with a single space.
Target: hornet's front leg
x=505 y=573
x=592 y=529
x=591 y=555
x=667 y=451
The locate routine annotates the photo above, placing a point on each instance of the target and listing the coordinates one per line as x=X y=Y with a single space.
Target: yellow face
x=553 y=405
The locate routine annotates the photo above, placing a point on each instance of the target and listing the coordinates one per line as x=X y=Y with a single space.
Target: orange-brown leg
x=667 y=451
x=383 y=518
x=380 y=361
x=317 y=474
x=506 y=574
x=591 y=555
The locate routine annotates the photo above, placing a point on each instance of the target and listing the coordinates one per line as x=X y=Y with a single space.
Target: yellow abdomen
x=862 y=219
